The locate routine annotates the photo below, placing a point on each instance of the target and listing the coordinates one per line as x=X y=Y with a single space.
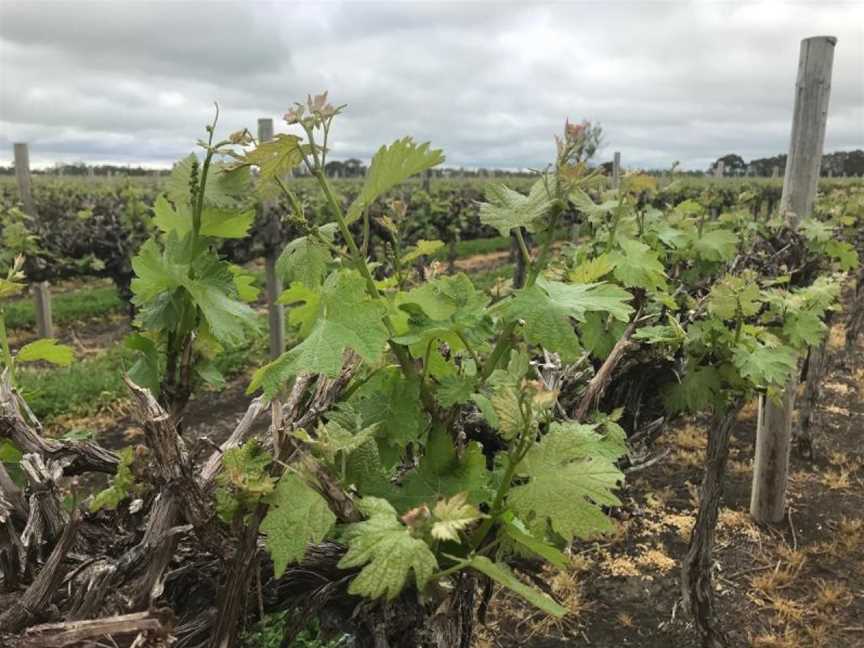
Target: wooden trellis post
x=774 y=433
x=41 y=290
x=616 y=170
x=273 y=282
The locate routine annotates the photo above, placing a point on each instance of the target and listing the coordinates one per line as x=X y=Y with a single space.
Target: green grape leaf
x=844 y=253
x=334 y=438
x=661 y=334
x=547 y=306
x=10 y=288
x=210 y=374
x=179 y=182
x=672 y=236
x=699 y=389
x=444 y=473
x=599 y=338
x=275 y=159
x=508 y=413
x=596 y=213
x=591 y=270
x=386 y=551
x=716 y=245
x=392 y=402
x=215 y=222
x=304 y=302
x=455 y=390
x=207 y=281
x=546 y=323
x=447 y=297
x=485 y=406
x=815 y=230
x=121 y=485
x=153 y=275
x=226 y=223
x=449 y=309
x=583 y=298
x=688 y=208
x=243 y=480
x=734 y=293
x=819 y=296
x=244 y=284
x=804 y=329
x=297 y=516
x=305 y=259
x=570 y=477
x=422 y=248
x=391 y=166
x=637 y=265
x=765 y=366
x=9 y=454
x=501 y=574
x=507 y=209
x=450 y=516
x=519 y=534
x=145 y=372
x=214 y=292
x=226 y=188
x=346 y=318
x=46 y=350
x=365 y=471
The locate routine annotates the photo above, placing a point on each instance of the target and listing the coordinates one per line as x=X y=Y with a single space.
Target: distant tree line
x=82 y=169
x=841 y=163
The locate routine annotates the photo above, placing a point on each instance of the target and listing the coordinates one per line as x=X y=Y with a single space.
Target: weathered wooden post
x=775 y=171
x=427 y=180
x=616 y=170
x=22 y=175
x=774 y=433
x=273 y=282
x=720 y=169
x=41 y=291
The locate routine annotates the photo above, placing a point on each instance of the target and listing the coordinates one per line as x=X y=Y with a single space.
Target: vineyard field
x=577 y=406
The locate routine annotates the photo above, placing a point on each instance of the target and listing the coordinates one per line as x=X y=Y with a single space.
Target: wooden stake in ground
x=774 y=434
x=275 y=312
x=616 y=170
x=41 y=292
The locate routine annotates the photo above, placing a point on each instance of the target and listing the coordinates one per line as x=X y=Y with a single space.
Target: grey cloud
x=489 y=82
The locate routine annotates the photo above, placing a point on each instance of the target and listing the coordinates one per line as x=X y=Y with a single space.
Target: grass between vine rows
x=81 y=303
x=68 y=396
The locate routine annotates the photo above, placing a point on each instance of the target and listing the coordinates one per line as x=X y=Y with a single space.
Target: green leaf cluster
x=243 y=480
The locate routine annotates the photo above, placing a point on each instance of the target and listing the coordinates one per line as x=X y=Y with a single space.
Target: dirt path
x=798 y=585
x=482 y=262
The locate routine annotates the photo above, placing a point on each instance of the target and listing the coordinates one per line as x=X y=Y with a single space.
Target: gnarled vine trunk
x=855 y=320
x=817 y=365
x=696 y=590
x=153 y=572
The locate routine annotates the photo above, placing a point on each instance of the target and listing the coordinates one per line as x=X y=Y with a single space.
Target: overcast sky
x=489 y=82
